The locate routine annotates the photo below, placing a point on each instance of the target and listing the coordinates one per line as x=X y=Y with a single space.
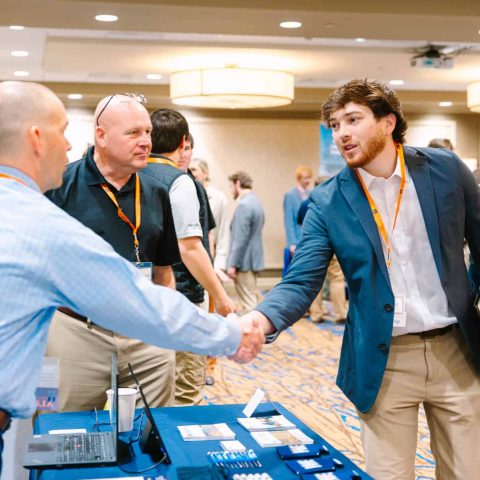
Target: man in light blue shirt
x=48 y=260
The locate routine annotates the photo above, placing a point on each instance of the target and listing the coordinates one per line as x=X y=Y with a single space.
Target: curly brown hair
x=375 y=95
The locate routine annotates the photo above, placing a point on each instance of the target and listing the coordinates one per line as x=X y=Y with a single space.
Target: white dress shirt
x=221 y=234
x=48 y=260
x=413 y=274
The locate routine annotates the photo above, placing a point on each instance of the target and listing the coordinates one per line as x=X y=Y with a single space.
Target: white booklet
x=259 y=424
x=214 y=431
x=277 y=438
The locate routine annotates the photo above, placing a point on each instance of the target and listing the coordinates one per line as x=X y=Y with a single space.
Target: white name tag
x=400 y=314
x=146 y=268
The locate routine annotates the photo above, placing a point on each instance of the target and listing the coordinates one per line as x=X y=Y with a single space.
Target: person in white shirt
x=220 y=238
x=396 y=218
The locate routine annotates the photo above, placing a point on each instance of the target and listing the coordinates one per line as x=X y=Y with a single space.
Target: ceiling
x=73 y=53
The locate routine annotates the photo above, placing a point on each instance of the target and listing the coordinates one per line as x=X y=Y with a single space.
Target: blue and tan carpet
x=299 y=371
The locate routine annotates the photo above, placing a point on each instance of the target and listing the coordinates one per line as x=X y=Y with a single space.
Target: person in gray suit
x=245 y=258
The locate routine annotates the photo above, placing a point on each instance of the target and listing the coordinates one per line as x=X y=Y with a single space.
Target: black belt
x=5 y=420
x=73 y=314
x=436 y=331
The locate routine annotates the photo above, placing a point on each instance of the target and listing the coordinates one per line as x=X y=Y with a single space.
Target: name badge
x=146 y=268
x=400 y=313
x=46 y=393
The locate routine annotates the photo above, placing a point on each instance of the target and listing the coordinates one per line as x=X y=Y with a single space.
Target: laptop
x=78 y=449
x=150 y=442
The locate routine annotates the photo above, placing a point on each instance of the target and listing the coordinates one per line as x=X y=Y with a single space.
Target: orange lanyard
x=4 y=175
x=163 y=161
x=138 y=213
x=373 y=207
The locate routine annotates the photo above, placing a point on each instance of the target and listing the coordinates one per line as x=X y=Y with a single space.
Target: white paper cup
x=126 y=407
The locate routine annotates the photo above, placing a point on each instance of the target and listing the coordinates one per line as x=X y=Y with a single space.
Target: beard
x=363 y=157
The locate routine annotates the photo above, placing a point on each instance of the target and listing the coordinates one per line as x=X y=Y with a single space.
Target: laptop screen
x=114 y=405
x=158 y=449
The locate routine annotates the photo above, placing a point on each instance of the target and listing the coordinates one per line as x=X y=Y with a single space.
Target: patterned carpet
x=299 y=371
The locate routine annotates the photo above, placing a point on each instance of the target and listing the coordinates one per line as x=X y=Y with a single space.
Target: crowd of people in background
x=139 y=227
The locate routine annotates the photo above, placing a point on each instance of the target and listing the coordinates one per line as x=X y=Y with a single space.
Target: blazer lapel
x=352 y=191
x=420 y=173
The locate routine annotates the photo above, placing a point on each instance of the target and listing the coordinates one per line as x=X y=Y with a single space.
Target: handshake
x=253 y=325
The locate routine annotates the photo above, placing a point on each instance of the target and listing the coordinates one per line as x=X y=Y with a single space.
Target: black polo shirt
x=82 y=197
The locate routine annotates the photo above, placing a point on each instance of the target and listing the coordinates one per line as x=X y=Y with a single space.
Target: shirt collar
x=369 y=179
x=93 y=176
x=13 y=172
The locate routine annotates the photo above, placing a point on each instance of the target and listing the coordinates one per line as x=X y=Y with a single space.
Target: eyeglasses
x=127 y=97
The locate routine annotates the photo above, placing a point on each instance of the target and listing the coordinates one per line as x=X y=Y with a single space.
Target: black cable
x=120 y=466
x=132 y=441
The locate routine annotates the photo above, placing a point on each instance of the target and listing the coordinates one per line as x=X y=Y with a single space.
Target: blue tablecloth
x=181 y=453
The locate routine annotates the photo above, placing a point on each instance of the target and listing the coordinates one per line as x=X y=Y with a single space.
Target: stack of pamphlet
x=276 y=438
x=260 y=424
x=215 y=431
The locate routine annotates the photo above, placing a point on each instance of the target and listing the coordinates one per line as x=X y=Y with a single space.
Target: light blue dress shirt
x=47 y=260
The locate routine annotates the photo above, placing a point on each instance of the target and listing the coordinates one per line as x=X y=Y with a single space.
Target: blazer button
x=383 y=347
x=388 y=307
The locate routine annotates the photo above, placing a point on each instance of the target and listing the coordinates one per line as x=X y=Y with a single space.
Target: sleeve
x=290 y=219
x=223 y=236
x=91 y=279
x=185 y=208
x=240 y=235
x=290 y=299
x=167 y=249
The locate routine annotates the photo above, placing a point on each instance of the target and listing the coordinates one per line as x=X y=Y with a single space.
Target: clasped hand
x=252 y=338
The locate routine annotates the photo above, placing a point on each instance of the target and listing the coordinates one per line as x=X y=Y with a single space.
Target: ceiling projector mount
x=436 y=56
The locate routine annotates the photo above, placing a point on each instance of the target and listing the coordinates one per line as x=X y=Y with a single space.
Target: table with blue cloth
x=182 y=453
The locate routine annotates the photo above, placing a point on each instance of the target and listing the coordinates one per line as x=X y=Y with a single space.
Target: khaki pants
x=85 y=365
x=336 y=282
x=246 y=287
x=190 y=373
x=436 y=372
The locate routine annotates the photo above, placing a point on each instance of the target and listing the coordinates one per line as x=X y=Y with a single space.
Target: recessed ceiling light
x=106 y=18
x=75 y=96
x=397 y=82
x=445 y=104
x=21 y=73
x=360 y=40
x=16 y=27
x=154 y=76
x=290 y=24
x=19 y=53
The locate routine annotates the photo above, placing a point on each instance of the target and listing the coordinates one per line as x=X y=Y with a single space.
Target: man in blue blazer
x=245 y=257
x=396 y=219
x=292 y=201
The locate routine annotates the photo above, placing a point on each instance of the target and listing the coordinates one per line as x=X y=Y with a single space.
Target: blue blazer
x=339 y=221
x=291 y=205
x=246 y=244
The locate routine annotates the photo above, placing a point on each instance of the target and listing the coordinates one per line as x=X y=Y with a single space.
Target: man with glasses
x=105 y=191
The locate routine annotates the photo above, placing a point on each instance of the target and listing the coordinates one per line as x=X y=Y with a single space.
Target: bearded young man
x=396 y=218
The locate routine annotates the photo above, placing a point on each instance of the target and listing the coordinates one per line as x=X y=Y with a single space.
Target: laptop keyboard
x=82 y=447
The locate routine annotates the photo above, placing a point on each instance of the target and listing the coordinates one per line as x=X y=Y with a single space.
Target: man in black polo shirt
x=195 y=272
x=106 y=192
